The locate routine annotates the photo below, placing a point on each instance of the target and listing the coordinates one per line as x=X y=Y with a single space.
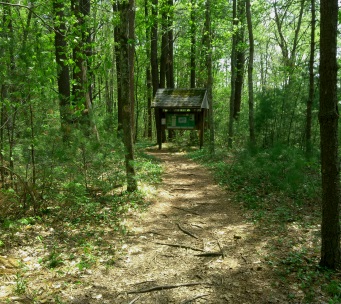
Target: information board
x=180 y=120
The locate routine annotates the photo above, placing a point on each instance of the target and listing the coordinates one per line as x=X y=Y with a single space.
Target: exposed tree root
x=163 y=287
x=180 y=246
x=187 y=232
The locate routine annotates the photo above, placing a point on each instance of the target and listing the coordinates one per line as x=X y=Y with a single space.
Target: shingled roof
x=180 y=99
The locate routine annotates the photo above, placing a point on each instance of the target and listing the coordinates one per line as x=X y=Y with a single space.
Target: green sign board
x=180 y=121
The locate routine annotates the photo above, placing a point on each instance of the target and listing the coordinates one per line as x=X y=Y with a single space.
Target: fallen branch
x=24 y=183
x=221 y=249
x=187 y=232
x=194 y=298
x=163 y=287
x=210 y=254
x=133 y=301
x=186 y=210
x=180 y=246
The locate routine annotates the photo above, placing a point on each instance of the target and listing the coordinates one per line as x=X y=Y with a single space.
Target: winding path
x=191 y=245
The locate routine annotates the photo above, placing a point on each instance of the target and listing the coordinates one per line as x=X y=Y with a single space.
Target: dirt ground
x=192 y=244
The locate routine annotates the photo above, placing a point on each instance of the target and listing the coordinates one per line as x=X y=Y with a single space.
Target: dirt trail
x=190 y=215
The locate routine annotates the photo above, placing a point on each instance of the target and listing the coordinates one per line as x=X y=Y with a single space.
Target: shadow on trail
x=191 y=216
x=194 y=213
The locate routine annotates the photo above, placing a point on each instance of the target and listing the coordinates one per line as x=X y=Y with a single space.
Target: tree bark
x=250 y=75
x=208 y=46
x=193 y=45
x=154 y=53
x=148 y=74
x=117 y=37
x=81 y=89
x=164 y=46
x=311 y=82
x=233 y=76
x=127 y=37
x=240 y=59
x=63 y=77
x=328 y=117
x=170 y=54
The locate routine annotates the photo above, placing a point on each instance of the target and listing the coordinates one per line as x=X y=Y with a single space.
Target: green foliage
x=334 y=290
x=279 y=191
x=278 y=170
x=20 y=284
x=54 y=259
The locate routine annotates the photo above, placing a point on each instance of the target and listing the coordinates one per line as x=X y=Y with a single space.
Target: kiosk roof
x=180 y=99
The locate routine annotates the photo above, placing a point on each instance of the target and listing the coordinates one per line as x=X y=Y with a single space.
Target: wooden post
x=158 y=127
x=202 y=127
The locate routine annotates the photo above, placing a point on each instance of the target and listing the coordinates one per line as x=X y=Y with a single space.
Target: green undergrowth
x=279 y=180
x=82 y=221
x=278 y=190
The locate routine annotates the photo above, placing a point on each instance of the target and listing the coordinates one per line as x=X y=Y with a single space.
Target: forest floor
x=192 y=244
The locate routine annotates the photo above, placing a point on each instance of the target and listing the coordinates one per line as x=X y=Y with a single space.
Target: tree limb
x=186 y=210
x=133 y=301
x=187 y=232
x=30 y=8
x=180 y=246
x=163 y=287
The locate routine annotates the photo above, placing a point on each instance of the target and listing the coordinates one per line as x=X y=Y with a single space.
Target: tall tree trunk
x=153 y=44
x=240 y=58
x=81 y=90
x=208 y=47
x=233 y=75
x=127 y=37
x=311 y=82
x=164 y=46
x=250 y=75
x=117 y=37
x=63 y=77
x=148 y=74
x=193 y=44
x=328 y=117
x=154 y=62
x=170 y=49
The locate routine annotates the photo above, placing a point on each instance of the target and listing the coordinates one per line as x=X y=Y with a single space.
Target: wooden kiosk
x=180 y=109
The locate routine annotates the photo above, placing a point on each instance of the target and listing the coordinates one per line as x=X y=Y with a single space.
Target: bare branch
x=163 y=287
x=30 y=8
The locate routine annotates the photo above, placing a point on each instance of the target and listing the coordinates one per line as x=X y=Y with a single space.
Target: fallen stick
x=194 y=298
x=133 y=301
x=221 y=249
x=186 y=210
x=210 y=254
x=163 y=287
x=180 y=246
x=187 y=232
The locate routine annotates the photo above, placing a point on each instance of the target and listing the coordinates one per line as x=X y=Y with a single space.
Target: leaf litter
x=156 y=260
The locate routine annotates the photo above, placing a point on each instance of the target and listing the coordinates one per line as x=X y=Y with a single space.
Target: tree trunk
x=233 y=76
x=63 y=78
x=148 y=75
x=250 y=75
x=127 y=37
x=311 y=81
x=240 y=59
x=81 y=89
x=328 y=117
x=193 y=44
x=117 y=37
x=153 y=44
x=154 y=64
x=164 y=47
x=208 y=39
x=170 y=49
